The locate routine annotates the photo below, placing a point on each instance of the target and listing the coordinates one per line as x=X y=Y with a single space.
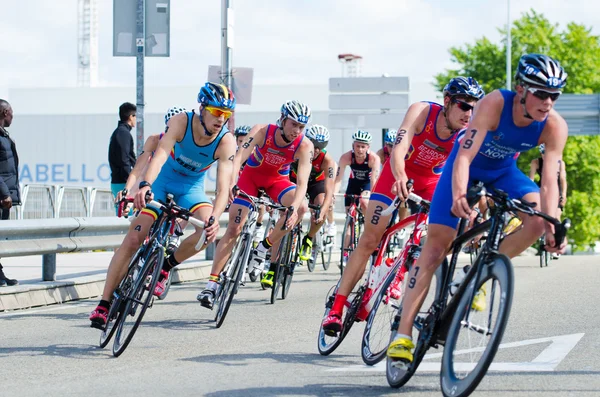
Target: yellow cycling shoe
x=267 y=280
x=306 y=250
x=400 y=349
x=479 y=303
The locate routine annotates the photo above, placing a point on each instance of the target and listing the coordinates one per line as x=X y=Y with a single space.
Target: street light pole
x=227 y=22
x=508 y=47
x=140 y=34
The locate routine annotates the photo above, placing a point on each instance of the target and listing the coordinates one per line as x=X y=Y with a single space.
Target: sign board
x=369 y=84
x=157 y=20
x=242 y=82
x=365 y=121
x=368 y=101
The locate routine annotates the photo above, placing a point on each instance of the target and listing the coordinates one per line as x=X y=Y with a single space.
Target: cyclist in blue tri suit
x=191 y=144
x=504 y=123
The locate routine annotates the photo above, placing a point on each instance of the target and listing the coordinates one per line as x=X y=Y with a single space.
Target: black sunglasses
x=465 y=107
x=543 y=95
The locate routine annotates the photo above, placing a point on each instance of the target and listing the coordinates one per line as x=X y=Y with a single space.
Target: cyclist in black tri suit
x=364 y=170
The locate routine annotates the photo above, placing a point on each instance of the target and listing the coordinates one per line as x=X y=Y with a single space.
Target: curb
x=55 y=292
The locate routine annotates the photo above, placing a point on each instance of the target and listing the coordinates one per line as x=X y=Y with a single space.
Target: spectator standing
x=121 y=155
x=9 y=175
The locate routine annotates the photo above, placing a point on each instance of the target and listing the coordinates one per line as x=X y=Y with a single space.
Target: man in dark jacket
x=9 y=174
x=121 y=155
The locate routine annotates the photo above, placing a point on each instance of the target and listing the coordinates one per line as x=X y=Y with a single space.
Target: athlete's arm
x=330 y=169
x=375 y=164
x=176 y=127
x=255 y=137
x=404 y=137
x=554 y=136
x=563 y=182
x=533 y=167
x=304 y=155
x=138 y=172
x=224 y=154
x=381 y=155
x=485 y=118
x=344 y=162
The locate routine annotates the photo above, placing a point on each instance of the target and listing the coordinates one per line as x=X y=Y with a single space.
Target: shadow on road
x=331 y=389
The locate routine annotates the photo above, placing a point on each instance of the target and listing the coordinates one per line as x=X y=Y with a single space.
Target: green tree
x=579 y=53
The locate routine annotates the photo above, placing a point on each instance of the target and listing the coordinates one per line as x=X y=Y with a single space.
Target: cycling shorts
x=186 y=193
x=314 y=189
x=423 y=187
x=355 y=187
x=252 y=180
x=509 y=179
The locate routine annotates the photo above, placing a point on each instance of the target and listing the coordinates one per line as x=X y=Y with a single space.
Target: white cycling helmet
x=172 y=112
x=362 y=136
x=319 y=135
x=296 y=111
x=390 y=136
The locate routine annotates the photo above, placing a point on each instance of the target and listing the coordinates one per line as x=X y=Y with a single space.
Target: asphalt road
x=552 y=345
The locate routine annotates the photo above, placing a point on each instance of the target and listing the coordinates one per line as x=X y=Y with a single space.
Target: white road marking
x=546 y=361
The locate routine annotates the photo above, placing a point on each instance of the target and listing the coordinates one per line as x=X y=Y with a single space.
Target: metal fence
x=56 y=201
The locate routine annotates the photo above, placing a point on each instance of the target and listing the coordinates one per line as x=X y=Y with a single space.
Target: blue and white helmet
x=390 y=137
x=217 y=95
x=539 y=70
x=319 y=136
x=172 y=112
x=242 y=130
x=296 y=111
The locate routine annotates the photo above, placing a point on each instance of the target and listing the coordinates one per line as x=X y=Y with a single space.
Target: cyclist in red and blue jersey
x=191 y=144
x=505 y=122
x=268 y=152
x=388 y=144
x=423 y=143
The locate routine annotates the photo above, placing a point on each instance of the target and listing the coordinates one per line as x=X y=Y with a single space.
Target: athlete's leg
x=532 y=229
x=238 y=212
x=187 y=249
x=314 y=226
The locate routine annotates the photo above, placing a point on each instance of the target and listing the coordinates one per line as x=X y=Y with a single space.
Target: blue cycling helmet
x=217 y=95
x=172 y=112
x=242 y=130
x=464 y=86
x=390 y=137
x=539 y=70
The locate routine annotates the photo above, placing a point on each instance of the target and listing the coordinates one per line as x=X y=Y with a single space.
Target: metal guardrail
x=56 y=201
x=47 y=237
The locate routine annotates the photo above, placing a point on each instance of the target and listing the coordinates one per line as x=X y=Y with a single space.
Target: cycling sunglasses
x=218 y=112
x=543 y=95
x=465 y=107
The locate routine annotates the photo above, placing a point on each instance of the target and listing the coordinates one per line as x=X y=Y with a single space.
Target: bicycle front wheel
x=348 y=227
x=137 y=301
x=477 y=327
x=288 y=270
x=279 y=270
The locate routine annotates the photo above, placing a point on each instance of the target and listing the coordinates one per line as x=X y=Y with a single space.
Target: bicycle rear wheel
x=475 y=332
x=328 y=343
x=137 y=301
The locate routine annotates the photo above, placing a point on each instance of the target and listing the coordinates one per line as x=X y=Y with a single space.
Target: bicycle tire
x=117 y=302
x=311 y=262
x=349 y=319
x=231 y=284
x=347 y=223
x=288 y=271
x=278 y=275
x=397 y=378
x=136 y=297
x=500 y=269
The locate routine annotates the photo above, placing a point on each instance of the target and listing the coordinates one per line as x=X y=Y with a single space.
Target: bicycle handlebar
x=507 y=204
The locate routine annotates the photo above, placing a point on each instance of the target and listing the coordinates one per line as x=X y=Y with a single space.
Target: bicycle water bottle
x=460 y=276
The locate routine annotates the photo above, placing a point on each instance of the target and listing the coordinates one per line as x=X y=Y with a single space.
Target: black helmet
x=464 y=86
x=540 y=70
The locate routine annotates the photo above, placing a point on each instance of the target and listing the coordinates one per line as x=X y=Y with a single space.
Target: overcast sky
x=285 y=41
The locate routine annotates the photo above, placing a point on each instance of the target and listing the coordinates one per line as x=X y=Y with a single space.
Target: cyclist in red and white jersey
x=423 y=143
x=268 y=152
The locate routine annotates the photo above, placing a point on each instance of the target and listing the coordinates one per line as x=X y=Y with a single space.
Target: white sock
x=398 y=336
